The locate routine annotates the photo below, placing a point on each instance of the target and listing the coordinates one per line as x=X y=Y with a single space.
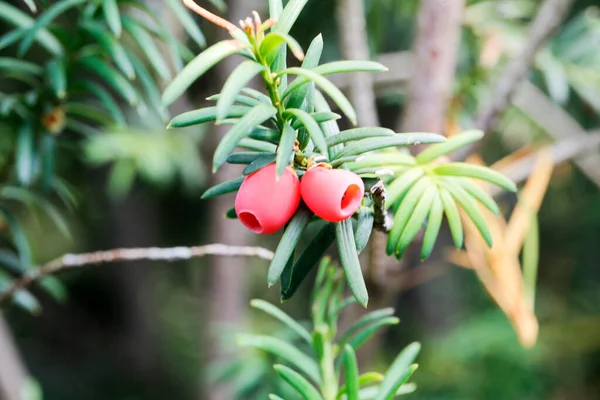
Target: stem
x=271 y=83
x=329 y=387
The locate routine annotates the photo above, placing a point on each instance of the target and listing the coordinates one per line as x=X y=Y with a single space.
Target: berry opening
x=250 y=221
x=351 y=199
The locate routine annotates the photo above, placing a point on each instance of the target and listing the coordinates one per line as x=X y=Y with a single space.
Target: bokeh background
x=156 y=330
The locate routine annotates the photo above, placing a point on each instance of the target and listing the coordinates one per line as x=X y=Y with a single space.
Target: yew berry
x=332 y=194
x=263 y=203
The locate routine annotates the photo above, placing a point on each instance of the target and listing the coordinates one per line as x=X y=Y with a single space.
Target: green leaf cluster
x=314 y=361
x=74 y=69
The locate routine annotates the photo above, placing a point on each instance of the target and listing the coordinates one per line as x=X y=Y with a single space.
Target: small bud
x=54 y=120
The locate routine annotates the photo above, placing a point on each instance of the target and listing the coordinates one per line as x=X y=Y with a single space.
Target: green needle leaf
x=399 y=372
x=285 y=149
x=287 y=244
x=271 y=44
x=454 y=143
x=25 y=154
x=312 y=127
x=244 y=157
x=311 y=255
x=55 y=73
x=362 y=336
x=18 y=18
x=434 y=223
x=240 y=98
x=405 y=211
x=298 y=382
x=278 y=314
x=336 y=67
x=184 y=17
x=112 y=77
x=207 y=114
x=470 y=207
x=261 y=162
x=366 y=320
x=416 y=219
x=477 y=172
x=257 y=145
x=43 y=21
x=399 y=139
x=336 y=94
x=398 y=188
x=283 y=350
x=241 y=129
x=7 y=63
x=350 y=262
x=223 y=188
x=148 y=46
x=357 y=134
x=364 y=227
x=453 y=216
x=275 y=9
x=289 y=15
x=112 y=16
x=197 y=67
x=365 y=379
x=112 y=47
x=351 y=373
x=479 y=194
x=311 y=60
x=234 y=84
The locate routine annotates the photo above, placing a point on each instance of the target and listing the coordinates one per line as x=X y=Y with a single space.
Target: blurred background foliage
x=139 y=331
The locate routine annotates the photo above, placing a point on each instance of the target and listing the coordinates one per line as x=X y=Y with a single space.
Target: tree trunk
x=350 y=16
x=226 y=297
x=435 y=50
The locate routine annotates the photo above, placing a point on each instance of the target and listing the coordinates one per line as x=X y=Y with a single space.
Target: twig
x=381 y=220
x=215 y=19
x=69 y=261
x=551 y=13
x=562 y=150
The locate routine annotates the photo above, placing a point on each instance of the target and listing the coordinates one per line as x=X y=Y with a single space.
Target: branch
x=548 y=18
x=562 y=151
x=381 y=220
x=70 y=261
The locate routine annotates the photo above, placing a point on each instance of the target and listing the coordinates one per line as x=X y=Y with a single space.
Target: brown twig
x=70 y=261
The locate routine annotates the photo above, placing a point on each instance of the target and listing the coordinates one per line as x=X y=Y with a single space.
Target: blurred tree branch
x=71 y=261
x=353 y=37
x=550 y=15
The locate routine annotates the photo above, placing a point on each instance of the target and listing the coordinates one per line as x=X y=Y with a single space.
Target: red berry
x=263 y=203
x=333 y=194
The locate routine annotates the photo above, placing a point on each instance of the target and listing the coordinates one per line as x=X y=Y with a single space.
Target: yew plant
x=303 y=172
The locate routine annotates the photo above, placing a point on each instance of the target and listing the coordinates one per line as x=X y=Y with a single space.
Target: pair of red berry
x=265 y=204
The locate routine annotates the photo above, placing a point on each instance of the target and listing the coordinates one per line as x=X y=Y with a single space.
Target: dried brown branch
x=71 y=261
